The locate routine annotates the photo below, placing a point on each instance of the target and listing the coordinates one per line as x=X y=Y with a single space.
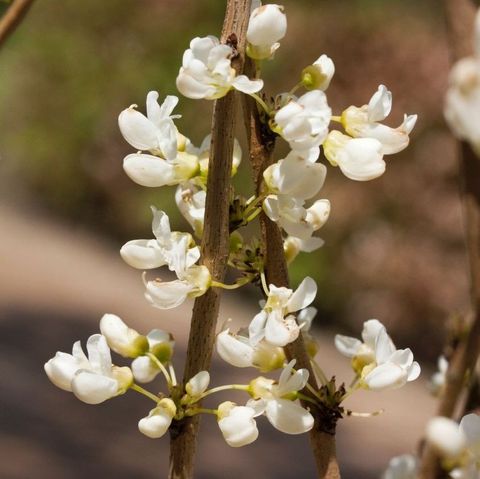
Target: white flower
x=165 y=249
x=267 y=25
x=120 y=338
x=294 y=176
x=401 y=467
x=274 y=322
x=198 y=384
x=457 y=443
x=363 y=122
x=293 y=246
x=160 y=344
x=318 y=75
x=240 y=352
x=446 y=437
x=190 y=200
x=359 y=159
x=284 y=414
x=152 y=171
x=93 y=379
x=290 y=214
x=379 y=364
x=303 y=122
x=237 y=424
x=438 y=380
x=193 y=280
x=158 y=421
x=462 y=101
x=155 y=132
x=207 y=72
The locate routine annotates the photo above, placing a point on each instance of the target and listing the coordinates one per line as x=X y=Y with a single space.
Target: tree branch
x=262 y=143
x=460 y=16
x=12 y=18
x=215 y=241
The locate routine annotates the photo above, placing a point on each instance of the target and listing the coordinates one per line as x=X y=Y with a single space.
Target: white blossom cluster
x=166 y=157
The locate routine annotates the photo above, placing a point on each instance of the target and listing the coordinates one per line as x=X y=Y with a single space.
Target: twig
x=460 y=16
x=12 y=18
x=214 y=242
x=261 y=148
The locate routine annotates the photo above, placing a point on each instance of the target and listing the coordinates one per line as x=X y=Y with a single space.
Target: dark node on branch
x=232 y=41
x=177 y=427
x=330 y=410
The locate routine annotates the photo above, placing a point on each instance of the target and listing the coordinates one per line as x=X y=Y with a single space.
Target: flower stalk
x=214 y=242
x=261 y=145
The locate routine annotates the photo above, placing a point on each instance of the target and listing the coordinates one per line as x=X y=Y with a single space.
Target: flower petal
x=233 y=351
x=93 y=388
x=303 y=295
x=148 y=170
x=288 y=417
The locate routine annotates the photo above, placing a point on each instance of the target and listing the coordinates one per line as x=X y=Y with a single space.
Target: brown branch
x=214 y=242
x=261 y=142
x=12 y=18
x=460 y=16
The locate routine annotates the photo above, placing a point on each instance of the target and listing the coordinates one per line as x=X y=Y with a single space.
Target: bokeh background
x=394 y=246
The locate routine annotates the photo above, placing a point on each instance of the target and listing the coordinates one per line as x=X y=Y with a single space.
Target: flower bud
x=318 y=75
x=198 y=384
x=267 y=25
x=122 y=339
x=158 y=421
x=237 y=424
x=318 y=213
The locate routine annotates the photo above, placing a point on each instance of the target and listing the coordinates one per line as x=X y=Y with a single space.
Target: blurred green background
x=394 y=246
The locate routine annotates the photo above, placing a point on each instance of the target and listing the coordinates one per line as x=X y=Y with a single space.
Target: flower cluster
x=288 y=196
x=376 y=361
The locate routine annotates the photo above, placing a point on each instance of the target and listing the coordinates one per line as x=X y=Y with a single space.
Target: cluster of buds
x=166 y=157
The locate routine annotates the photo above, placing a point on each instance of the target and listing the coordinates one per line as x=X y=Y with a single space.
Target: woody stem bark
x=215 y=241
x=12 y=18
x=261 y=145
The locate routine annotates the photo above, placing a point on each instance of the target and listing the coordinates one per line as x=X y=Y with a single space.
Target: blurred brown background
x=394 y=246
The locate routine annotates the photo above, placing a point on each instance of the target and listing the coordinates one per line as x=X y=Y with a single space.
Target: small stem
x=295 y=88
x=252 y=202
x=261 y=103
x=319 y=372
x=238 y=284
x=148 y=394
x=200 y=410
x=338 y=119
x=351 y=390
x=354 y=381
x=253 y=215
x=312 y=390
x=162 y=368
x=304 y=397
x=238 y=387
x=172 y=375
x=264 y=283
